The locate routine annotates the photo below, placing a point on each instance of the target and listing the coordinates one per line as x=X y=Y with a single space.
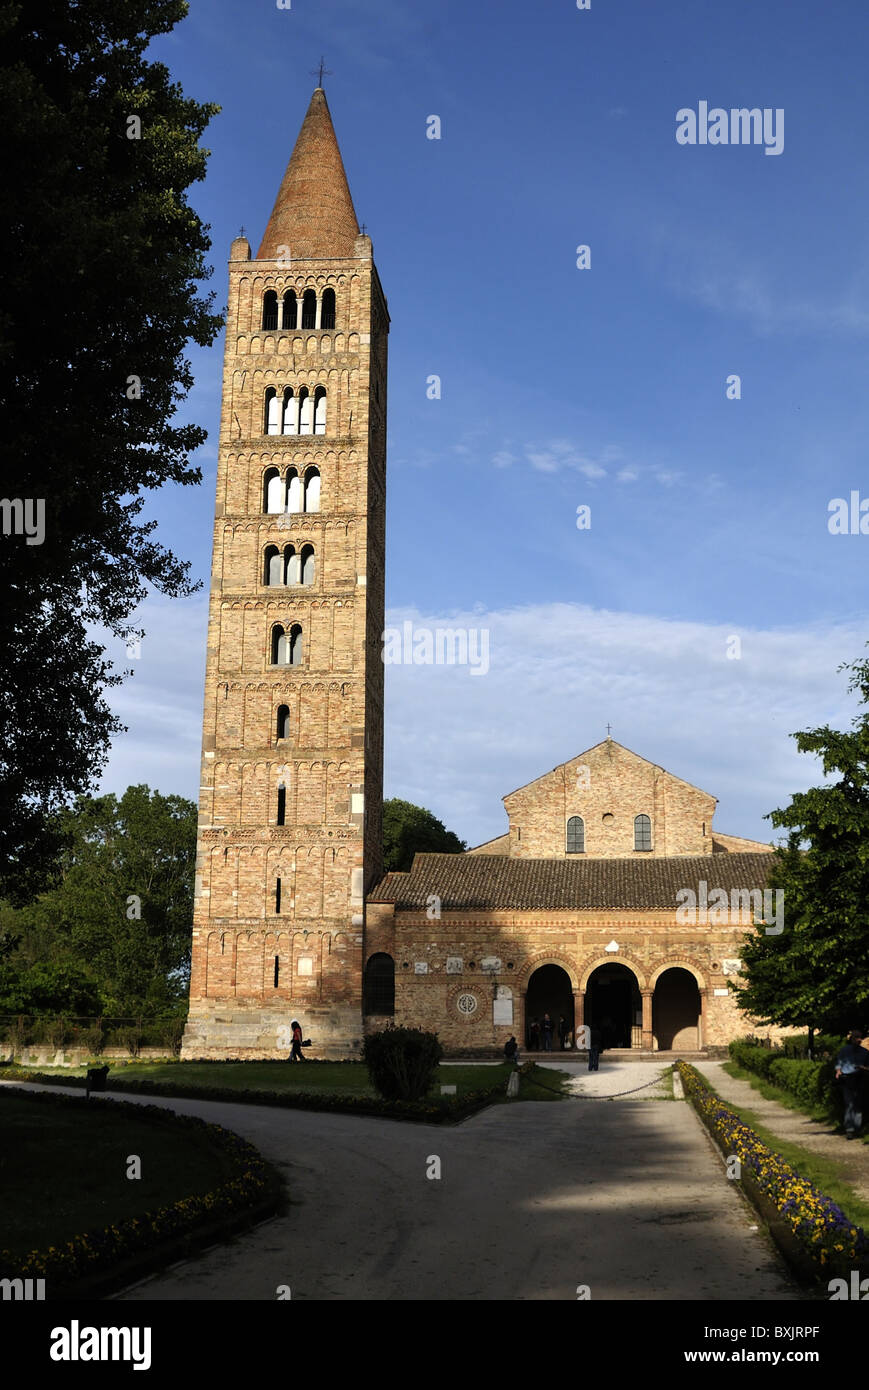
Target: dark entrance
x=549 y=992
x=676 y=1011
x=613 y=1002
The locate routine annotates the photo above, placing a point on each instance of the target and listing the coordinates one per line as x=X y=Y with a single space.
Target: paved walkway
x=533 y=1200
x=852 y=1158
x=615 y=1077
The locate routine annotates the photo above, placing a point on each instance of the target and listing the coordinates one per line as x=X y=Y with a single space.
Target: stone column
x=648 y=1035
x=319 y=312
x=703 y=1020
x=521 y=1032
x=578 y=1013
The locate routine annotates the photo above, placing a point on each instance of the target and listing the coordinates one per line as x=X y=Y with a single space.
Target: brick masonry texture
x=290 y=898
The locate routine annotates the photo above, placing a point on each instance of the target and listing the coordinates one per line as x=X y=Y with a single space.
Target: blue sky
x=562 y=387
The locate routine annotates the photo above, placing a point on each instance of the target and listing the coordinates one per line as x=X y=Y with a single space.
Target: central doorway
x=549 y=992
x=614 y=1004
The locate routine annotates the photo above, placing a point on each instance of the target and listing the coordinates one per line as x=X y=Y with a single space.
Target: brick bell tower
x=292 y=748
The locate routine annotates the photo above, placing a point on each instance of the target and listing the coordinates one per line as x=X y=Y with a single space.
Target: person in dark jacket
x=595 y=1042
x=534 y=1035
x=511 y=1050
x=852 y=1068
x=562 y=1031
x=296 y=1054
x=547 y=1033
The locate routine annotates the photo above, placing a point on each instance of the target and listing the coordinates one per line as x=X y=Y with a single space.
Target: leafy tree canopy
x=816 y=973
x=410 y=830
x=102 y=254
x=120 y=920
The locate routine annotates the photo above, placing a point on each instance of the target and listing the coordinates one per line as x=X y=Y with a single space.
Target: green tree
x=122 y=913
x=102 y=254
x=410 y=830
x=816 y=972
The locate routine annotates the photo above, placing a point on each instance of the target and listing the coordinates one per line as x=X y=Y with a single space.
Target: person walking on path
x=852 y=1066
x=594 y=1046
x=296 y=1054
x=547 y=1033
x=562 y=1031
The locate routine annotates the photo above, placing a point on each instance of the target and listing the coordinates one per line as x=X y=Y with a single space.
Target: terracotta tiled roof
x=313 y=213
x=479 y=882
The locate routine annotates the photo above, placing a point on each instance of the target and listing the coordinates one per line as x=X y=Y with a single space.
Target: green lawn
x=350 y=1078
x=63 y=1168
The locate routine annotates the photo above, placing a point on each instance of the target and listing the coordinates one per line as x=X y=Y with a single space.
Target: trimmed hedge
x=813 y=1084
x=254 y=1190
x=402 y=1062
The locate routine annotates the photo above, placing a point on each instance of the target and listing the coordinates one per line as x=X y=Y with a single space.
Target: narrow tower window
x=309 y=309
x=282 y=805
x=273 y=566
x=283 y=722
x=295 y=645
x=270 y=309
x=280 y=647
x=327 y=312
x=293 y=564
x=642 y=833
x=307 y=564
x=277 y=970
x=273 y=491
x=576 y=835
x=320 y=410
x=312 y=490
x=306 y=411
x=290 y=412
x=273 y=412
x=277 y=895
x=294 y=492
x=289 y=309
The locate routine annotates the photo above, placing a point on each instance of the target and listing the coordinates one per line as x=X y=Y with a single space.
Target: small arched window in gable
x=642 y=833
x=307 y=575
x=293 y=564
x=283 y=721
x=309 y=309
x=289 y=319
x=327 y=312
x=270 y=309
x=272 y=423
x=320 y=410
x=312 y=490
x=576 y=835
x=294 y=492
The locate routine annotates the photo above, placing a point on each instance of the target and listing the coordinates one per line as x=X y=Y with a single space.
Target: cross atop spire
x=320 y=72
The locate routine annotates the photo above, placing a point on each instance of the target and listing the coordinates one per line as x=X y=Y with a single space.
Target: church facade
x=578 y=910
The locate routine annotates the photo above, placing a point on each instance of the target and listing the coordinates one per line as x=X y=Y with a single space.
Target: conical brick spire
x=313 y=213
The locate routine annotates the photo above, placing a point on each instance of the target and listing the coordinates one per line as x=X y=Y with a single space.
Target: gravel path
x=614 y=1077
x=533 y=1201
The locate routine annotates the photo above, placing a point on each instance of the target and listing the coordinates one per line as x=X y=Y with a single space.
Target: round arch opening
x=549 y=992
x=676 y=1011
x=613 y=1004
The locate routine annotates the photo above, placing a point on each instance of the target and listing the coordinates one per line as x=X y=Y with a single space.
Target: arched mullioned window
x=327 y=312
x=307 y=565
x=294 y=492
x=320 y=410
x=273 y=568
x=306 y=411
x=378 y=989
x=273 y=491
x=289 y=319
x=283 y=721
x=272 y=419
x=270 y=309
x=576 y=835
x=290 y=412
x=642 y=833
x=312 y=490
x=292 y=565
x=309 y=309
x=282 y=646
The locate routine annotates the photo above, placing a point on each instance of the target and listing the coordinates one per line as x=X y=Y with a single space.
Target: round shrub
x=402 y=1062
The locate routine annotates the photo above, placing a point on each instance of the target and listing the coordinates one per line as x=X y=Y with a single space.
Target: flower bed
x=813 y=1233
x=429 y=1111
x=81 y=1266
